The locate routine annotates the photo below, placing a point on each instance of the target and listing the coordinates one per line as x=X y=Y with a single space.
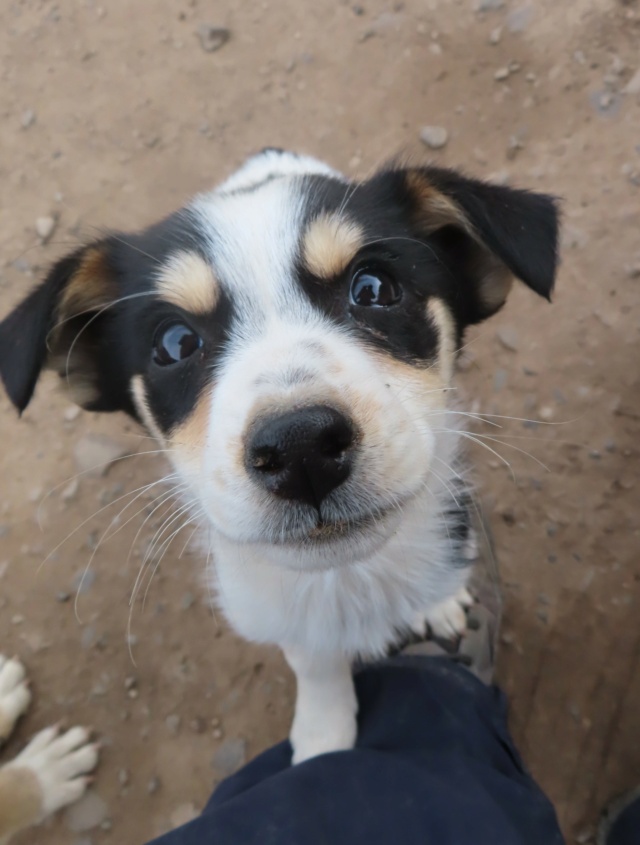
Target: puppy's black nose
x=302 y=455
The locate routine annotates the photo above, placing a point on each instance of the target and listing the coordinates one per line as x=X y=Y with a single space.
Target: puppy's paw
x=322 y=732
x=15 y=695
x=447 y=620
x=61 y=763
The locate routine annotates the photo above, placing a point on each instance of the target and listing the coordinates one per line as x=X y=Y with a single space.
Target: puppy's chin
x=326 y=546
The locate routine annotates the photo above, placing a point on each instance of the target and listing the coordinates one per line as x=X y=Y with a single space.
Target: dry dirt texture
x=113 y=115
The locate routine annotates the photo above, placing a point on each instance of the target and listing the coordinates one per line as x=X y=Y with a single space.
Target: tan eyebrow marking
x=329 y=245
x=188 y=281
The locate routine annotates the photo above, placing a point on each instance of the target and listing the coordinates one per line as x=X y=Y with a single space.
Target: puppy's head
x=290 y=337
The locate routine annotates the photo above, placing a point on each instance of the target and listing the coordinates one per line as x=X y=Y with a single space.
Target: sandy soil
x=113 y=115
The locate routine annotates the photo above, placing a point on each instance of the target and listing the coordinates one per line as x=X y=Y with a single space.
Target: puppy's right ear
x=56 y=327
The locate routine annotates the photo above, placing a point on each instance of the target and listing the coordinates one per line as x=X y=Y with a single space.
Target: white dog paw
x=322 y=735
x=15 y=695
x=61 y=763
x=447 y=620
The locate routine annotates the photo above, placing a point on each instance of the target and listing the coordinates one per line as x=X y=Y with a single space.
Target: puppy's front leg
x=326 y=705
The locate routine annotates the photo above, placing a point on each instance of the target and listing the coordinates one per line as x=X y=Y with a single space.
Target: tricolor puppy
x=291 y=338
x=49 y=773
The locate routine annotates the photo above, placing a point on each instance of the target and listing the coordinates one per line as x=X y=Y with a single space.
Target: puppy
x=290 y=338
x=49 y=773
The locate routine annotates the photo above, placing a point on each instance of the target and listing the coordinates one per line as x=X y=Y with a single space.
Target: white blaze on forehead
x=253 y=240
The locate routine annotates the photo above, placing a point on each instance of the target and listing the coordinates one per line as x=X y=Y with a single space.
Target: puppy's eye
x=377 y=288
x=174 y=343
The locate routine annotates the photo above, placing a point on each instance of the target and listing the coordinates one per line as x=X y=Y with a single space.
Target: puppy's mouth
x=331 y=531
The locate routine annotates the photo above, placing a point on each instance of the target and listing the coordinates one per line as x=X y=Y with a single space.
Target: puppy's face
x=290 y=337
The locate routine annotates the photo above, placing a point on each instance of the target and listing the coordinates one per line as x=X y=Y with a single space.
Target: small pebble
x=45 y=227
x=633 y=85
x=123 y=777
x=63 y=597
x=28 y=118
x=153 y=785
x=212 y=38
x=508 y=337
x=187 y=601
x=435 y=137
x=501 y=74
x=173 y=723
x=94 y=453
x=183 y=814
x=197 y=725
x=230 y=756
x=495 y=36
x=130 y=682
x=86 y=814
x=70 y=491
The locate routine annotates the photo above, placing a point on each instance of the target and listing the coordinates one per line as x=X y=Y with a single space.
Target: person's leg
x=434 y=763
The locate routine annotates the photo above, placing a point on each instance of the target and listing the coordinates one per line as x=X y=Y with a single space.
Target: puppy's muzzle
x=303 y=454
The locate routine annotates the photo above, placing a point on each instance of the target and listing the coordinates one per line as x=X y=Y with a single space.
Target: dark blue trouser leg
x=434 y=765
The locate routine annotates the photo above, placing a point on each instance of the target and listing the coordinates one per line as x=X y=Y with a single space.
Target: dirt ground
x=113 y=115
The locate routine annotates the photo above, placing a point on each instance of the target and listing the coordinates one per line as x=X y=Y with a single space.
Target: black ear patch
x=501 y=232
x=43 y=330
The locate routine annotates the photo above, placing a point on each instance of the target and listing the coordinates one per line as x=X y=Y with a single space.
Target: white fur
x=58 y=762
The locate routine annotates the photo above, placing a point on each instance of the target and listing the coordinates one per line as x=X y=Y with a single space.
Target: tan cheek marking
x=186 y=280
x=190 y=436
x=20 y=799
x=330 y=244
x=445 y=325
x=141 y=401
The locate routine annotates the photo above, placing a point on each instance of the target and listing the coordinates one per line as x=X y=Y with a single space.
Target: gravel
x=212 y=38
x=230 y=756
x=435 y=137
x=45 y=227
x=28 y=118
x=94 y=453
x=87 y=814
x=633 y=85
x=508 y=337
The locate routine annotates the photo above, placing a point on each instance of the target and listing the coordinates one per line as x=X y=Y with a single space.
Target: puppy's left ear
x=61 y=326
x=489 y=233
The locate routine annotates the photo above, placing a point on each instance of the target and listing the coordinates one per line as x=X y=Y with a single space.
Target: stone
x=495 y=35
x=212 y=38
x=501 y=74
x=508 y=337
x=28 y=118
x=123 y=777
x=435 y=137
x=87 y=814
x=70 y=491
x=94 y=453
x=633 y=85
x=45 y=227
x=173 y=722
x=488 y=5
x=183 y=814
x=153 y=785
x=230 y=756
x=519 y=19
